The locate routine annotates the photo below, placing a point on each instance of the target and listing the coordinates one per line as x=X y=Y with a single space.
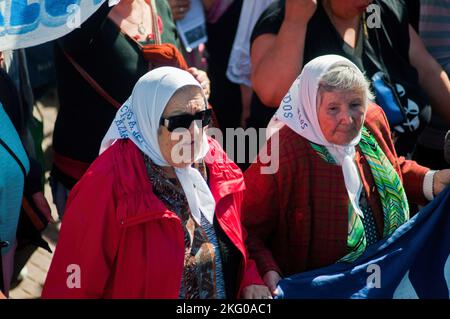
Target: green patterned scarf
x=391 y=191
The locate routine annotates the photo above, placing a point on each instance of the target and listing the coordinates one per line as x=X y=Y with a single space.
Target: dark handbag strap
x=91 y=81
x=386 y=73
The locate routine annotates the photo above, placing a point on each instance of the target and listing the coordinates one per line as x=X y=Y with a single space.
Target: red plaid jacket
x=297 y=218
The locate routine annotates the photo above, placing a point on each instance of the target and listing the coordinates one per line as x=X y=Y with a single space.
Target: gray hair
x=343 y=77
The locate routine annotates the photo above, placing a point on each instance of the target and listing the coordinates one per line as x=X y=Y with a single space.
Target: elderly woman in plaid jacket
x=340 y=185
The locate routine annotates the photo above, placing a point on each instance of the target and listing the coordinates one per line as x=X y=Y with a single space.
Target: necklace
x=140 y=26
x=141 y=29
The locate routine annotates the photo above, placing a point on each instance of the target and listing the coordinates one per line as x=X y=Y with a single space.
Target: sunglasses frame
x=201 y=115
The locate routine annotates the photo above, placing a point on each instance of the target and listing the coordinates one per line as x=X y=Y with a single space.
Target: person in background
x=222 y=17
x=20 y=178
x=225 y=96
x=160 y=223
x=196 y=57
x=290 y=33
x=436 y=36
x=14 y=166
x=239 y=65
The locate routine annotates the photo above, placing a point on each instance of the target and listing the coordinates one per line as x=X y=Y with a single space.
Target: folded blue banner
x=413 y=263
x=25 y=23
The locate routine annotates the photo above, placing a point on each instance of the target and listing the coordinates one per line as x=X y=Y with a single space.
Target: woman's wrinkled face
x=180 y=147
x=341 y=115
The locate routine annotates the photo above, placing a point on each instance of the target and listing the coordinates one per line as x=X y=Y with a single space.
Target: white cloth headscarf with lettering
x=298 y=111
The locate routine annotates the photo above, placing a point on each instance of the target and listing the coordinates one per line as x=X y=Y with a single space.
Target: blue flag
x=412 y=263
x=25 y=23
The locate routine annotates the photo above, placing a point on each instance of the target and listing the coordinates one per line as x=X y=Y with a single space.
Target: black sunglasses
x=185 y=120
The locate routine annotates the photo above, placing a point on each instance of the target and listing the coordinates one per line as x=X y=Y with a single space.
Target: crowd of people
x=350 y=94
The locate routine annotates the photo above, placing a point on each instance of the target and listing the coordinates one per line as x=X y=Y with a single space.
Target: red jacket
x=126 y=243
x=297 y=218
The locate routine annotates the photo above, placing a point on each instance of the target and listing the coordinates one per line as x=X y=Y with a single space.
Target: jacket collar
x=225 y=177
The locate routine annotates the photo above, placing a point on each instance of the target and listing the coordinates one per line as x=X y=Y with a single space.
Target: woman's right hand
x=299 y=10
x=271 y=279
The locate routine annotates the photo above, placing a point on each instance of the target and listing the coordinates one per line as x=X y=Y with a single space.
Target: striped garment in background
x=434 y=29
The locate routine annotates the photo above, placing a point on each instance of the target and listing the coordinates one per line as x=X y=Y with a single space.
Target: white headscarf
x=298 y=110
x=138 y=120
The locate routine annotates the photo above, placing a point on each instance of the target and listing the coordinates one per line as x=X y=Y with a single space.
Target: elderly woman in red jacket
x=339 y=187
x=157 y=215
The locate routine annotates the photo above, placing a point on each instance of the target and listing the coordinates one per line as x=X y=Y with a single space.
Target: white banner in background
x=26 y=23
